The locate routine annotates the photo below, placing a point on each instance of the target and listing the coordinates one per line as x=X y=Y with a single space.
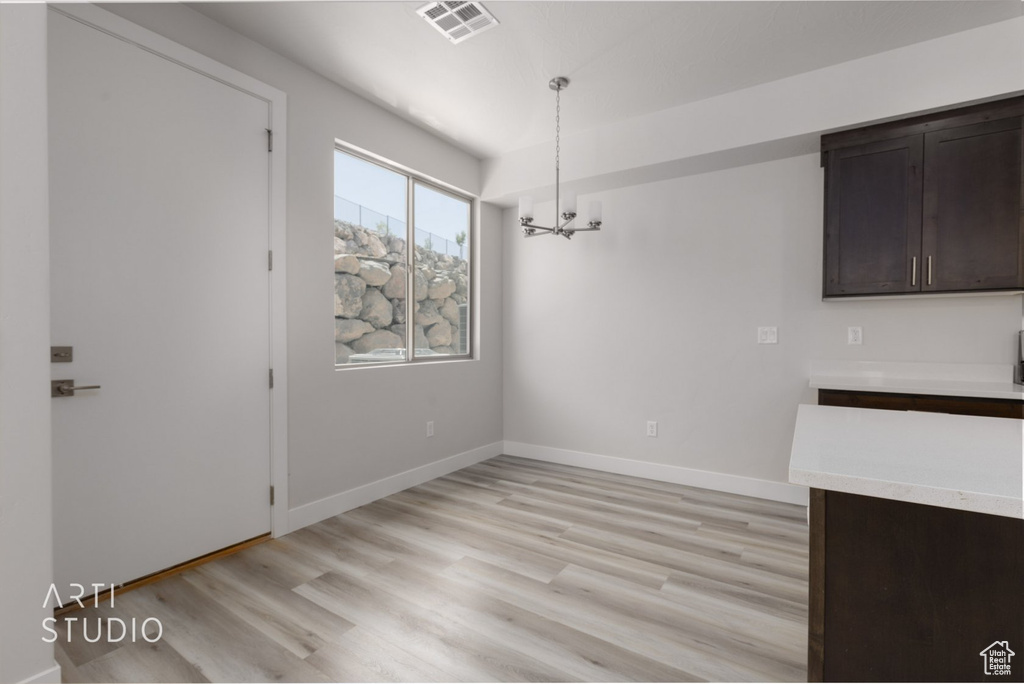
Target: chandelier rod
x=557 y=84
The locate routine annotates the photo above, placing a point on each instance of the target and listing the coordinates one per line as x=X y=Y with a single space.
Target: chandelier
x=565 y=208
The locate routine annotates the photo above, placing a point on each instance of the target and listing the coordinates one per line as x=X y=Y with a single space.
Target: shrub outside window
x=379 y=211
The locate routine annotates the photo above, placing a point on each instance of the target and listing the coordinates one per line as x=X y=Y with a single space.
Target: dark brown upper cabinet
x=972 y=207
x=873 y=217
x=928 y=204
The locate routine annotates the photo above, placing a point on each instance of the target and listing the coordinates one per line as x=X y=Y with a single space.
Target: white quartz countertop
x=967 y=463
x=991 y=381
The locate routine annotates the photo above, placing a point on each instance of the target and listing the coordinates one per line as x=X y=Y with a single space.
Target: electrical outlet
x=854 y=335
x=652 y=428
x=430 y=428
x=768 y=335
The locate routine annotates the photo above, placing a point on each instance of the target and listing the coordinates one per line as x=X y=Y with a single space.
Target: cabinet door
x=972 y=207
x=873 y=218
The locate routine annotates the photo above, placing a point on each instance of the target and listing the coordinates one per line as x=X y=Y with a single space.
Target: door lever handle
x=66 y=388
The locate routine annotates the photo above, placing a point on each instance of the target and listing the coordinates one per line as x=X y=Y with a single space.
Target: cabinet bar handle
x=929 y=270
x=913 y=271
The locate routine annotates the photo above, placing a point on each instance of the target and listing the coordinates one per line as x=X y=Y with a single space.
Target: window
x=379 y=211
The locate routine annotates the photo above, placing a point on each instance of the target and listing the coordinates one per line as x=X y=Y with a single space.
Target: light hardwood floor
x=509 y=570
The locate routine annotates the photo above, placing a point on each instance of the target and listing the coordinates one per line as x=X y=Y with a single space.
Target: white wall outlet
x=430 y=428
x=652 y=428
x=854 y=335
x=768 y=335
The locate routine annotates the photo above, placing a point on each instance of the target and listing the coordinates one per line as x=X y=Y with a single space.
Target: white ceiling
x=489 y=94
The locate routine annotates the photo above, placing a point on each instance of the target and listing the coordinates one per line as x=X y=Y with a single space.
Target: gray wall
x=26 y=560
x=713 y=227
x=656 y=319
x=349 y=428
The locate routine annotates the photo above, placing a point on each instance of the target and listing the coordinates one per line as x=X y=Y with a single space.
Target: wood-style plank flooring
x=509 y=570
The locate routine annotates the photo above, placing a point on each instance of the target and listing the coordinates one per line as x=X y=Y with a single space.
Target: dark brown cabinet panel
x=904 y=592
x=927 y=204
x=873 y=222
x=972 y=207
x=965 y=406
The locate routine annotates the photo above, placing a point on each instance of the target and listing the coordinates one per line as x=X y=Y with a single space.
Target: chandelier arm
x=535 y=227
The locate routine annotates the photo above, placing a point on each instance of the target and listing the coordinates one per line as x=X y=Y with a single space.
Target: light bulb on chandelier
x=565 y=207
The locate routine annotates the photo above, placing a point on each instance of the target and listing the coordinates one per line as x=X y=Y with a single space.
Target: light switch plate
x=768 y=335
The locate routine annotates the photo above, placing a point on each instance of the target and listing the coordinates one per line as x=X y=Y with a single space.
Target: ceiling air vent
x=457 y=20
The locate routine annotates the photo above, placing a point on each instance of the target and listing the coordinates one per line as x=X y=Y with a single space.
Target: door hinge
x=824 y=159
x=271 y=378
x=270 y=260
x=270 y=140
x=271 y=495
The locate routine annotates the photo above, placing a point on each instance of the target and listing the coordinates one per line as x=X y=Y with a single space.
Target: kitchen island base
x=909 y=592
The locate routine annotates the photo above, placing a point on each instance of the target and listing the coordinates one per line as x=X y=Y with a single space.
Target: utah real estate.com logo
x=997 y=658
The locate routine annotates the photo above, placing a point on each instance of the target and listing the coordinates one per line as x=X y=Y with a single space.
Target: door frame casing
x=122 y=29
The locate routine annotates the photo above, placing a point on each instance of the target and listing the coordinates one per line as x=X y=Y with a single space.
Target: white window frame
x=412 y=179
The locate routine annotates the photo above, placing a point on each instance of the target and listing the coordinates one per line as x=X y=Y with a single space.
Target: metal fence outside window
x=382 y=224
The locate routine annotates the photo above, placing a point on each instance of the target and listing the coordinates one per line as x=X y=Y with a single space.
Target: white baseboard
x=336 y=504
x=47 y=676
x=721 y=482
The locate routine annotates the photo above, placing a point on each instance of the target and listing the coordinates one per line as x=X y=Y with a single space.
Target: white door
x=159 y=244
